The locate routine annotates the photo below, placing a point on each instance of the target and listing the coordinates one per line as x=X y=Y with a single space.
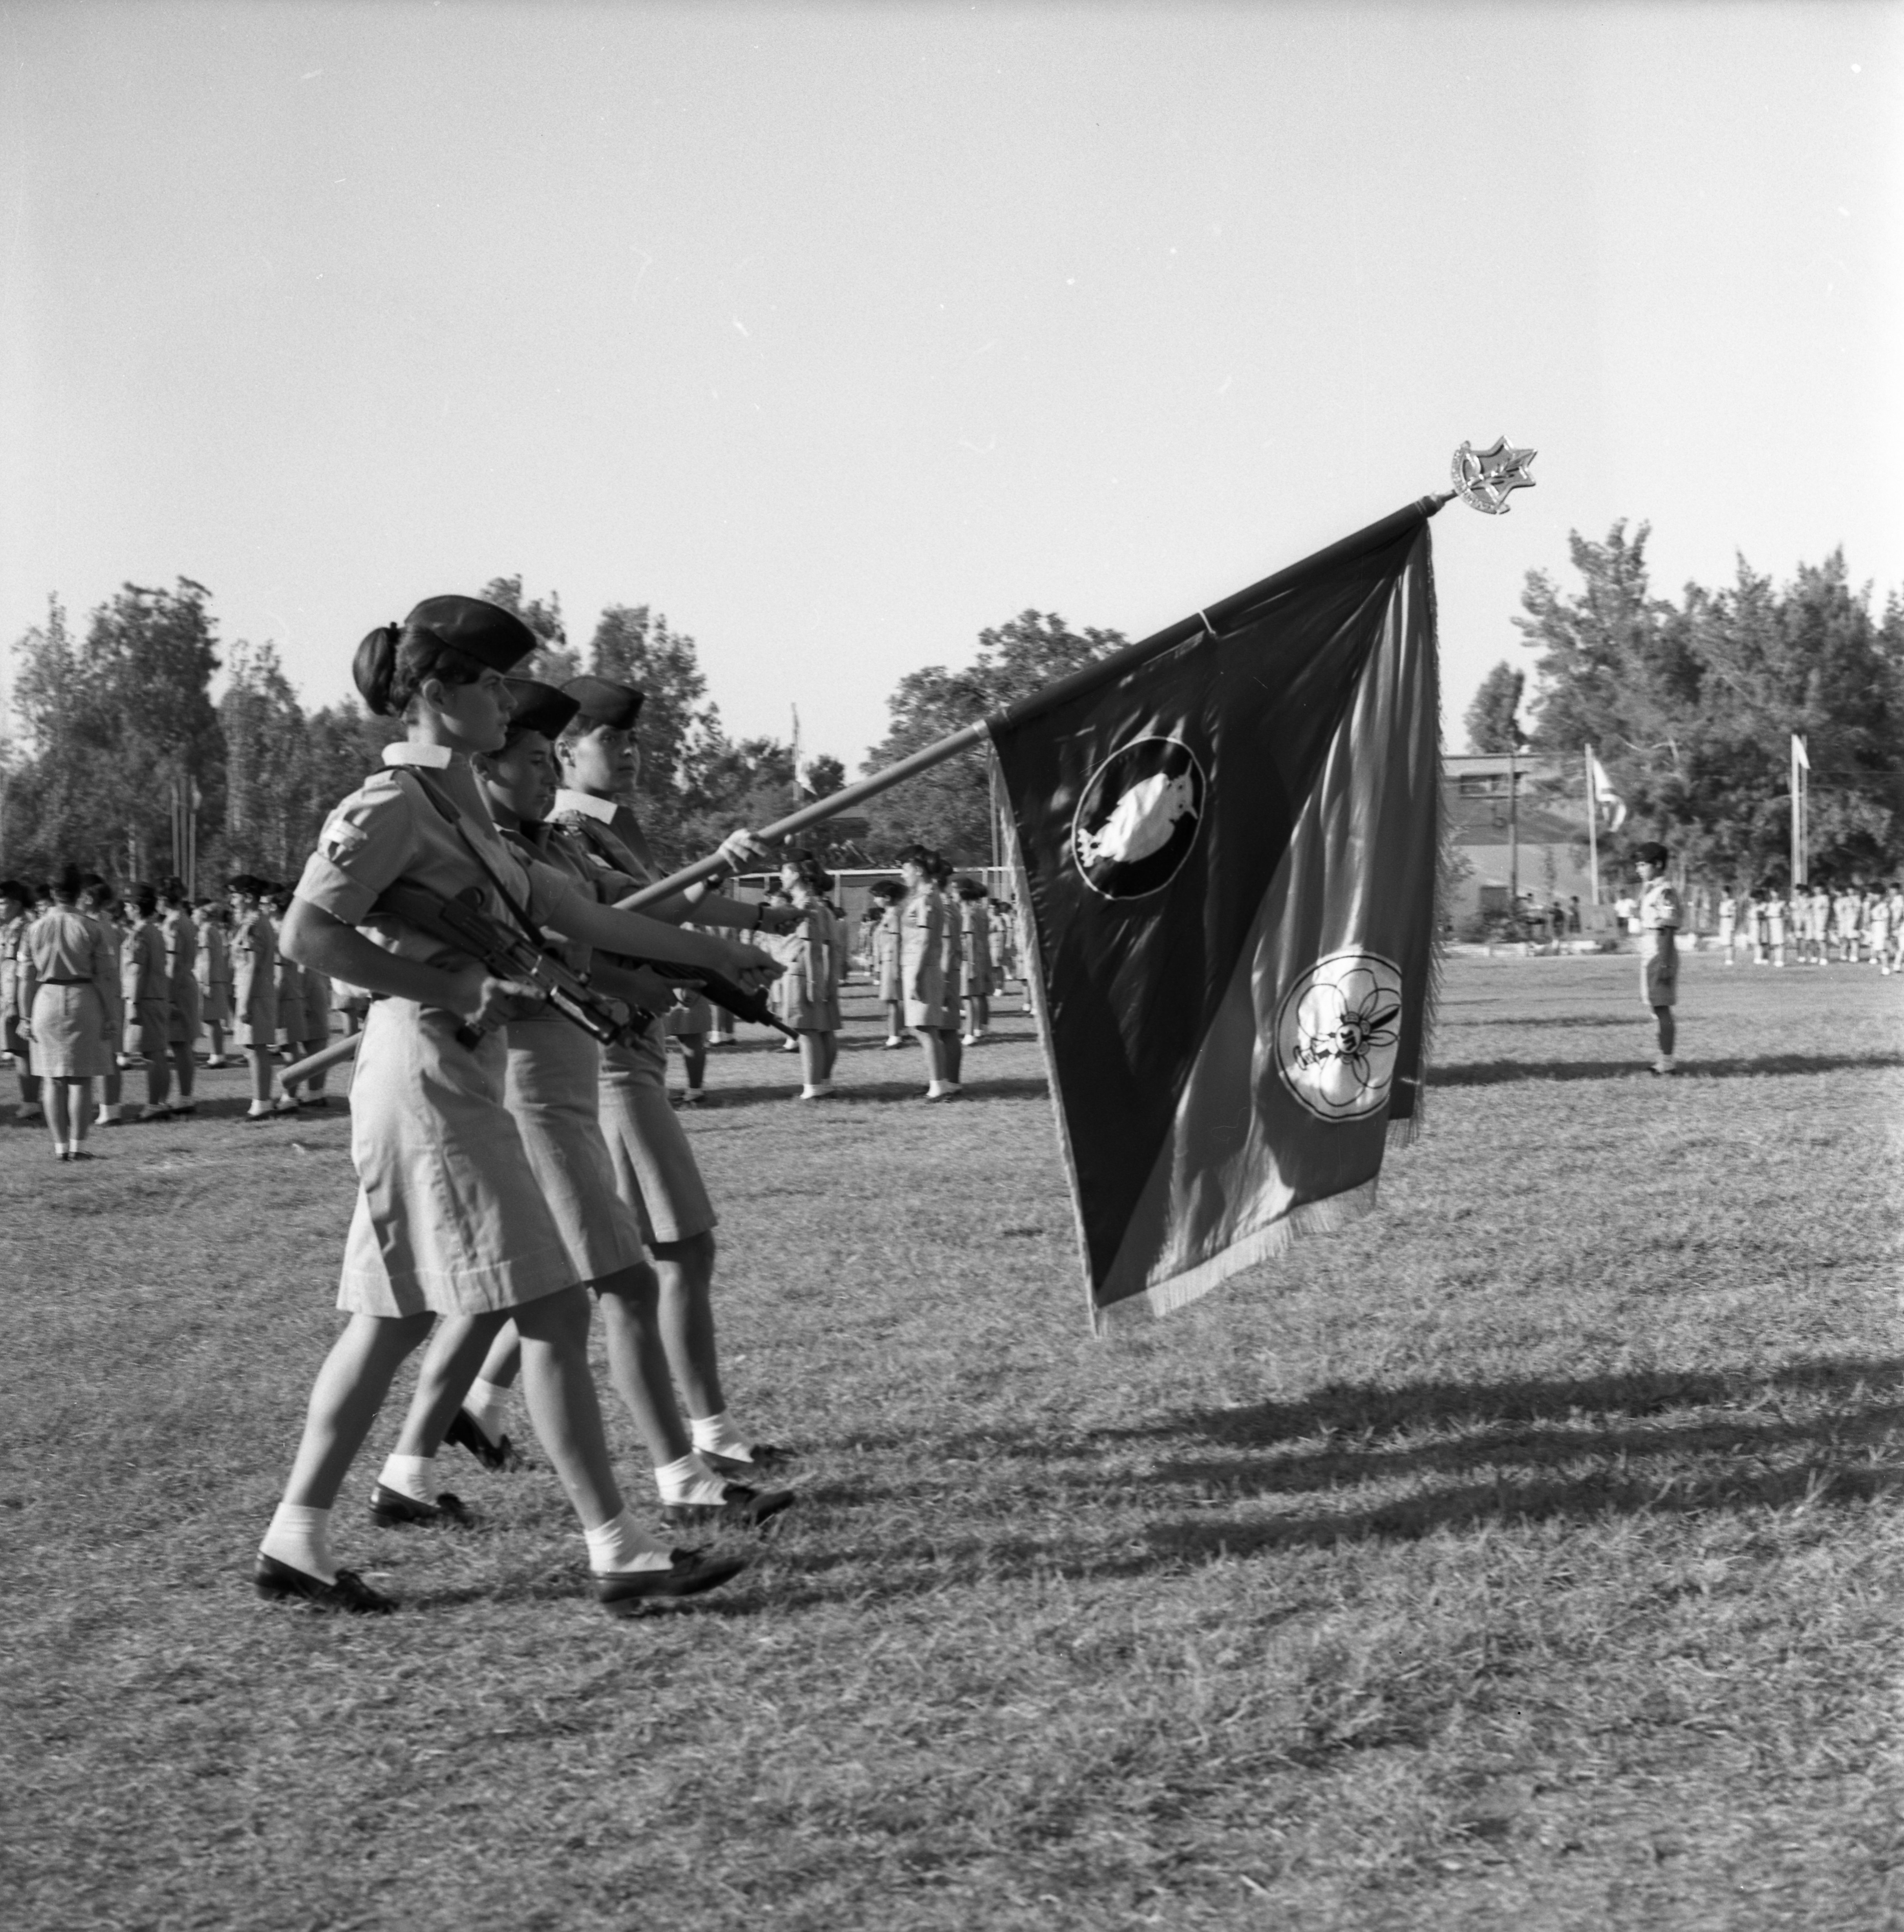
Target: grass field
x=1529 y=1556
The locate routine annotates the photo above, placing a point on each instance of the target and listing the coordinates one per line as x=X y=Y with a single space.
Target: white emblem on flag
x=1139 y=817
x=1337 y=1033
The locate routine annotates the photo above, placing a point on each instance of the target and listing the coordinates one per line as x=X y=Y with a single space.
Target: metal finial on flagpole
x=1485 y=478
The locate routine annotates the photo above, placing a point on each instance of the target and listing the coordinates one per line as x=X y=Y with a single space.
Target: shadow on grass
x=1499 y=1072
x=886 y=1093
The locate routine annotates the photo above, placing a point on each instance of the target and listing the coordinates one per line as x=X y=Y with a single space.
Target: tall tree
x=950 y=806
x=114 y=721
x=552 y=661
x=1493 y=719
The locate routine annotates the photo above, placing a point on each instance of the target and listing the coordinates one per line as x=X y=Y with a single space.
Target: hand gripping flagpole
x=1483 y=479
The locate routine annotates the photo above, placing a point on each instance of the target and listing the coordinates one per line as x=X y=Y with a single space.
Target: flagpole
x=1592 y=828
x=1104 y=670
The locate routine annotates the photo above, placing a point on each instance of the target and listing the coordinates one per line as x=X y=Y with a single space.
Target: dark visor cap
x=599 y=702
x=539 y=707
x=487 y=632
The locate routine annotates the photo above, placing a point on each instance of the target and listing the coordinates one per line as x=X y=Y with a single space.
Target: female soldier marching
x=550 y=1091
x=66 y=986
x=449 y=1220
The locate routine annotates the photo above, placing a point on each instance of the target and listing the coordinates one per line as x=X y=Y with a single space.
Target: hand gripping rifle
x=504 y=953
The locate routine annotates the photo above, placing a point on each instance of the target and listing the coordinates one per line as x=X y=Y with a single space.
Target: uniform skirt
x=449 y=1215
x=215 y=1002
x=148 y=1026
x=255 y=1022
x=693 y=1015
x=70 y=1028
x=187 y=1011
x=655 y=1168
x=554 y=1075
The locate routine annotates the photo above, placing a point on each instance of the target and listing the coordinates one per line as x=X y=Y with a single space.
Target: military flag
x=1228 y=840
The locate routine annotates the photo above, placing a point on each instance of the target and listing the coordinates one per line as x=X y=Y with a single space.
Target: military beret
x=487 y=632
x=247 y=882
x=538 y=707
x=599 y=702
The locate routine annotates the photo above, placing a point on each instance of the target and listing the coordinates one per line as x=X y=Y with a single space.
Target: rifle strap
x=446 y=807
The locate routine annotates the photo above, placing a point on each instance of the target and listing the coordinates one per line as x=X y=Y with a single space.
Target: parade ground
x=1527 y=1555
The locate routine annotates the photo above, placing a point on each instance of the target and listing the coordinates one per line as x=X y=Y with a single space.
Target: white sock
x=411 y=1476
x=715 y=1436
x=690 y=1480
x=487 y=1405
x=623 y=1544
x=302 y=1537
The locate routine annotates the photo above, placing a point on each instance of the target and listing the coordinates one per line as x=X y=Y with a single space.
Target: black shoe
x=626 y=1593
x=391 y=1509
x=760 y=1456
x=739 y=1508
x=278 y=1582
x=466 y=1433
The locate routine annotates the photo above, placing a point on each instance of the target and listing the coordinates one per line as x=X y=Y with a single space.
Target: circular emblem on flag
x=1139 y=817
x=1337 y=1033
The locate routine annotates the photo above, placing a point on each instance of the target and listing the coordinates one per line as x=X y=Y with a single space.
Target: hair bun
x=375 y=665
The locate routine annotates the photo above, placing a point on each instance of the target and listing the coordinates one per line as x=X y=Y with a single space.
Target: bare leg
x=344 y=1400
x=315 y=1085
x=952 y=1047
x=928 y=1037
x=56 y=1110
x=686 y=1269
x=562 y=1401
x=451 y=1363
x=895 y=1019
x=503 y=1363
x=158 y=1076
x=694 y=1056
x=829 y=1041
x=185 y=1067
x=1664 y=1015
x=813 y=1058
x=260 y=1059
x=637 y=1360
x=79 y=1101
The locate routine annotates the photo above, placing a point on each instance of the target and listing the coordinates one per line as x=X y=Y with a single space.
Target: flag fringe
x=1328 y=1215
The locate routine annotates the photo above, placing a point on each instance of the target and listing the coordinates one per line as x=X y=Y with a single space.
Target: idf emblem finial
x=1485 y=478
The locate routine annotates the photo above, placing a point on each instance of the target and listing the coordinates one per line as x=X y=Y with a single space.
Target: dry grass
x=1528 y=1556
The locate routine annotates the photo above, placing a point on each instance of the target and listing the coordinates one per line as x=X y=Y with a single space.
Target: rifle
x=504 y=953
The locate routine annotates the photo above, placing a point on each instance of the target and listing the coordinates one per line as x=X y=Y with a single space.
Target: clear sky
x=838 y=333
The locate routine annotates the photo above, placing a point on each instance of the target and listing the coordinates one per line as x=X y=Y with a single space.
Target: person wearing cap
x=145 y=990
x=253 y=954
x=179 y=931
x=450 y=1219
x=550 y=1088
x=1660 y=917
x=655 y=1166
x=215 y=978
x=100 y=904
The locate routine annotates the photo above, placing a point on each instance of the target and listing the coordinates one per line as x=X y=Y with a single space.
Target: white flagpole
x=1592 y=829
x=1800 y=831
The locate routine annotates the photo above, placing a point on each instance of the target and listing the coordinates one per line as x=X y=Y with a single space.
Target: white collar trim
x=431 y=757
x=602 y=810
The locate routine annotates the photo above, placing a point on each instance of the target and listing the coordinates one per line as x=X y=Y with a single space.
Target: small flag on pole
x=1605 y=798
x=1229 y=856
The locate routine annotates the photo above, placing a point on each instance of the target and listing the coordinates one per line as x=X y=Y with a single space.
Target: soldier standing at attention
x=180 y=930
x=254 y=985
x=1660 y=917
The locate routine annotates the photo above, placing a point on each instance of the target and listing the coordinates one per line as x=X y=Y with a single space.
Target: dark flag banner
x=1228 y=852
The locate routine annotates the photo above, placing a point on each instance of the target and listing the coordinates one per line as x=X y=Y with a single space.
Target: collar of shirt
x=431 y=757
x=602 y=810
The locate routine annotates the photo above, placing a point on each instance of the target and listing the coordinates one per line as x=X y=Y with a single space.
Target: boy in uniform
x=1660 y=916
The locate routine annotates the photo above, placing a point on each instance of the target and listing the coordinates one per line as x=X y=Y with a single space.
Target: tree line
x=1690 y=705
x=118 y=719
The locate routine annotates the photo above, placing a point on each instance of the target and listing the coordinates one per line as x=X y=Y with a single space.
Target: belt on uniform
x=65 y=983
